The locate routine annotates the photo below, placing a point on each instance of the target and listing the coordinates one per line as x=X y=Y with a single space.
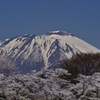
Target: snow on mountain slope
x=34 y=52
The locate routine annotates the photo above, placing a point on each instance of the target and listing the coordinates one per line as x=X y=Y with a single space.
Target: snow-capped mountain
x=34 y=52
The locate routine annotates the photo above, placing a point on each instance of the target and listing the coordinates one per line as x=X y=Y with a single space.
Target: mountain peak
x=59 y=32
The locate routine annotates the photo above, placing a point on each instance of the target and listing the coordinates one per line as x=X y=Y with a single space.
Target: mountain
x=34 y=52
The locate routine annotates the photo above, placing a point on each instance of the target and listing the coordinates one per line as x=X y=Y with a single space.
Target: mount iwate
x=34 y=52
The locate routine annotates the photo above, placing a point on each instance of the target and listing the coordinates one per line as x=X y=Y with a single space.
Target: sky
x=36 y=17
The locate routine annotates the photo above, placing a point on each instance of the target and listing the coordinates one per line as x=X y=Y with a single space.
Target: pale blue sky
x=81 y=17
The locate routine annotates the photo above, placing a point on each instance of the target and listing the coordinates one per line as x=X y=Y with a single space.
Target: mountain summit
x=34 y=52
x=58 y=33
